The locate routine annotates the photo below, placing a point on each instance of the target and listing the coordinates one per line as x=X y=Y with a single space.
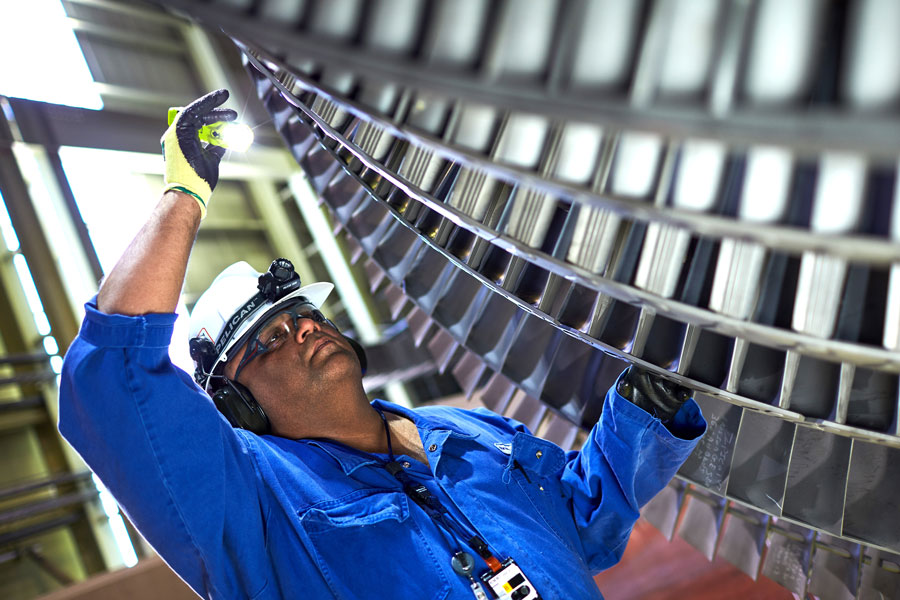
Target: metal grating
x=561 y=190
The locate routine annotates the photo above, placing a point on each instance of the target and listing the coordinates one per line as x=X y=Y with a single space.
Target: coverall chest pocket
x=368 y=541
x=535 y=466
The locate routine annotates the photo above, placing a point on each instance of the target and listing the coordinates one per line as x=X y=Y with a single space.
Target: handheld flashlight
x=233 y=136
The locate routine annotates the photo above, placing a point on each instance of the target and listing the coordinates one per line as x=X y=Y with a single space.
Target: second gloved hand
x=660 y=397
x=191 y=167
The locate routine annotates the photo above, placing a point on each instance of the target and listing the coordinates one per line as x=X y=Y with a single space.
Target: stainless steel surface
x=743 y=539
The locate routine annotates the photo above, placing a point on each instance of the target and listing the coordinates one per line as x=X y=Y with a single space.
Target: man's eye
x=276 y=337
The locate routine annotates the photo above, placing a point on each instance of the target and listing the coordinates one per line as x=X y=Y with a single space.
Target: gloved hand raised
x=658 y=396
x=191 y=167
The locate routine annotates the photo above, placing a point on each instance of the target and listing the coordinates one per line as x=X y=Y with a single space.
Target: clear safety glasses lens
x=276 y=329
x=283 y=324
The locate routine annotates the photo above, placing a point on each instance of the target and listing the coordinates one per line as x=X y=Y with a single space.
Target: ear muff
x=360 y=353
x=240 y=408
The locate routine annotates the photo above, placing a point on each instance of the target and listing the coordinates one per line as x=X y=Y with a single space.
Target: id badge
x=510 y=583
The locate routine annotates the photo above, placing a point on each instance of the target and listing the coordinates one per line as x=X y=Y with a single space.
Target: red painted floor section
x=654 y=568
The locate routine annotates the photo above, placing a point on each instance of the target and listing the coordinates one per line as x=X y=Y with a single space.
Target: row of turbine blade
x=665 y=295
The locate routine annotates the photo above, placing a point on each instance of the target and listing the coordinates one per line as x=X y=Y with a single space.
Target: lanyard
x=433 y=507
x=505 y=580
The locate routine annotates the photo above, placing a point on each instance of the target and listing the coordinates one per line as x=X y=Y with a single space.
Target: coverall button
x=405 y=464
x=539 y=454
x=432 y=447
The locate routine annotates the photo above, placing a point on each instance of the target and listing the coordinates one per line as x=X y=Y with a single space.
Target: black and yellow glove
x=658 y=396
x=191 y=166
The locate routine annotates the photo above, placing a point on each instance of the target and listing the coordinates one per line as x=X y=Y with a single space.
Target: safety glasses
x=276 y=329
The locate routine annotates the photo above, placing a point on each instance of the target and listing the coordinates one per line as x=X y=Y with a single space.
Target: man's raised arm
x=149 y=275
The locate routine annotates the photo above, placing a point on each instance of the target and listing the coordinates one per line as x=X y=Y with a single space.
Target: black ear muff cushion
x=240 y=408
x=360 y=353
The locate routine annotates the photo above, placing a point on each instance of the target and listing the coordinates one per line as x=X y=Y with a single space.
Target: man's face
x=296 y=366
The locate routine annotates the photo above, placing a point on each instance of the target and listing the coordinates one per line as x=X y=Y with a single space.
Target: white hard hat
x=228 y=300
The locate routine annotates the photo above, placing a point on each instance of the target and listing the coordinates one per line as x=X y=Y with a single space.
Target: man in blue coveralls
x=298 y=486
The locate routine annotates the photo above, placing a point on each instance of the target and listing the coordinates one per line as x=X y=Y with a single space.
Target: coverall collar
x=351 y=459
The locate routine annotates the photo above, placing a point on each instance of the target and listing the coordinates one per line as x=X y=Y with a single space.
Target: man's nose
x=304 y=328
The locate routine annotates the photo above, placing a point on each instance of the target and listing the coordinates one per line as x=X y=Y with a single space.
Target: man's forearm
x=149 y=276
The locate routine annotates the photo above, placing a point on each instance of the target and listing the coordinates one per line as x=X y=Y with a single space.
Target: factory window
x=55 y=70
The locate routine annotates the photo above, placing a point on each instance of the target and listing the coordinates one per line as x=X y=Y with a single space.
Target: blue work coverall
x=237 y=515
